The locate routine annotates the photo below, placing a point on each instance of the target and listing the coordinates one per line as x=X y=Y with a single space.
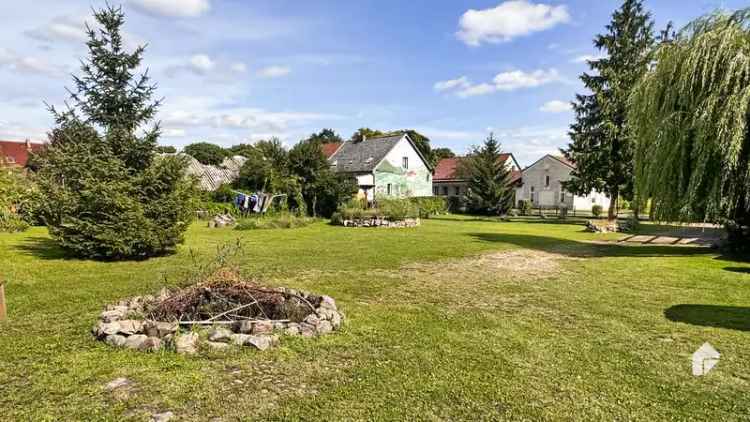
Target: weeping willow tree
x=690 y=115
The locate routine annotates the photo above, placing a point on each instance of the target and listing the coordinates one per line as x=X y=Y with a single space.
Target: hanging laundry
x=258 y=203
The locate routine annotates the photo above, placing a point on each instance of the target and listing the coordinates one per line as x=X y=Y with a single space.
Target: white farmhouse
x=541 y=183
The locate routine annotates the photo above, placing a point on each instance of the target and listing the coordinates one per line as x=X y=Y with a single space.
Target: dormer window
x=405 y=163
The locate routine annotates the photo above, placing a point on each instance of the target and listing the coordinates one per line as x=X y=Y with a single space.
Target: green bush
x=524 y=207
x=224 y=193
x=430 y=205
x=596 y=210
x=11 y=222
x=280 y=221
x=397 y=209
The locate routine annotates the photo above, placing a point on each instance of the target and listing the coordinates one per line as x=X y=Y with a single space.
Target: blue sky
x=234 y=71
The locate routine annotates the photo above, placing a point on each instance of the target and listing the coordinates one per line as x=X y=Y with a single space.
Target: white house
x=386 y=165
x=541 y=183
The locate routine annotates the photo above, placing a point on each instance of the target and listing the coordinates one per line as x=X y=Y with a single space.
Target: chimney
x=28 y=144
x=364 y=138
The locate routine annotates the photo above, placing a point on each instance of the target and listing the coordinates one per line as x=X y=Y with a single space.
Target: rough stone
x=130 y=327
x=111 y=316
x=219 y=335
x=307 y=330
x=336 y=320
x=292 y=329
x=104 y=329
x=279 y=326
x=245 y=327
x=262 y=327
x=312 y=319
x=152 y=344
x=323 y=327
x=327 y=302
x=162 y=417
x=186 y=344
x=116 y=340
x=259 y=342
x=239 y=339
x=159 y=329
x=136 y=342
x=217 y=346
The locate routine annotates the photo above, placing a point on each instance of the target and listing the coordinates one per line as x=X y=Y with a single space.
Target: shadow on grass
x=44 y=248
x=589 y=250
x=730 y=317
x=741 y=270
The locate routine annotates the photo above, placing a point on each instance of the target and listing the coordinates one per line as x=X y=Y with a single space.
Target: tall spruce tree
x=489 y=191
x=601 y=146
x=108 y=193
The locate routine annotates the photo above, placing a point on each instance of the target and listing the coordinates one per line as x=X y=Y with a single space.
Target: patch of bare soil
x=524 y=264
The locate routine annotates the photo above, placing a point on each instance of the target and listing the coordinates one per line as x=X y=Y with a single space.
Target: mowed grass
x=433 y=331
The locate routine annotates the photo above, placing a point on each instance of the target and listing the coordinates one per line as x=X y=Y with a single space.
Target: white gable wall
x=552 y=195
x=415 y=180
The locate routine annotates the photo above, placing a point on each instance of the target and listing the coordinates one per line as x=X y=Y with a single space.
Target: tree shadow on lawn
x=44 y=248
x=730 y=317
x=741 y=270
x=48 y=249
x=590 y=250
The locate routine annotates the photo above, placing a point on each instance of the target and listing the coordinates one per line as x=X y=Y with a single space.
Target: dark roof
x=330 y=149
x=446 y=169
x=364 y=156
x=16 y=153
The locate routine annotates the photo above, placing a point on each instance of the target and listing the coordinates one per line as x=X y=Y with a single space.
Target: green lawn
x=460 y=319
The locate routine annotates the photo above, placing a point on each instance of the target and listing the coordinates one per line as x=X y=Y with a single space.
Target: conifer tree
x=601 y=146
x=108 y=194
x=489 y=191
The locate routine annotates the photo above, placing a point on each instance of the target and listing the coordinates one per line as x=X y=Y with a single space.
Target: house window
x=593 y=199
x=445 y=190
x=435 y=191
x=562 y=196
x=427 y=178
x=388 y=188
x=546 y=181
x=458 y=190
x=405 y=162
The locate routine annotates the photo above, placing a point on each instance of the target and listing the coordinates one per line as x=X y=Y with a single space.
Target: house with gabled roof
x=542 y=185
x=388 y=165
x=448 y=180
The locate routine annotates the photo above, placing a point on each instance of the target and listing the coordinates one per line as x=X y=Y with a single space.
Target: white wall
x=553 y=195
x=417 y=178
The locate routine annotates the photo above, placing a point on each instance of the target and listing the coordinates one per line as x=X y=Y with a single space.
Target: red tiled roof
x=330 y=149
x=563 y=160
x=16 y=153
x=447 y=167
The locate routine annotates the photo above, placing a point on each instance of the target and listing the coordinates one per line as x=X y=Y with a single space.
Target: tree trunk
x=612 y=213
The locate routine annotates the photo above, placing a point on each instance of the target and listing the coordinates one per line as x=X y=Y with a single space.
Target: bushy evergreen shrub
x=107 y=193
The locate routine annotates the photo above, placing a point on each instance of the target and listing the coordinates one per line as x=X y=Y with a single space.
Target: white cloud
x=517 y=79
x=556 y=106
x=65 y=28
x=529 y=143
x=509 y=20
x=239 y=68
x=587 y=58
x=208 y=116
x=172 y=8
x=274 y=71
x=201 y=64
x=462 y=82
x=506 y=81
x=27 y=64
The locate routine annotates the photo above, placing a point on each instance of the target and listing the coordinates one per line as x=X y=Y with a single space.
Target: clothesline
x=258 y=203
